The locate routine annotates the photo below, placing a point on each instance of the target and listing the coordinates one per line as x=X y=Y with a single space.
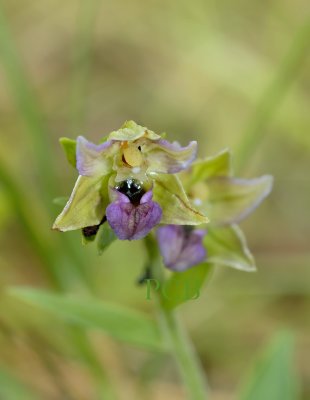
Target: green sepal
x=218 y=165
x=231 y=199
x=227 y=246
x=85 y=206
x=170 y=195
x=105 y=237
x=69 y=146
x=185 y=286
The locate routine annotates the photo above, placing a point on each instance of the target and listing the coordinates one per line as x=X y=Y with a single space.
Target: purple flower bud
x=181 y=246
x=132 y=220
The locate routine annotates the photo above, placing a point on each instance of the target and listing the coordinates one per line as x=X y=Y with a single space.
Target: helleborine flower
x=181 y=246
x=227 y=201
x=133 y=152
x=133 y=162
x=224 y=198
x=133 y=219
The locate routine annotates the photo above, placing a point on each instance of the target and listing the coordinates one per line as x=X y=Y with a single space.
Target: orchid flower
x=226 y=200
x=128 y=180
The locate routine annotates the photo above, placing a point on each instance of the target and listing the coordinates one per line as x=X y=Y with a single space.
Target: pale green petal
x=164 y=157
x=227 y=246
x=95 y=160
x=218 y=165
x=169 y=194
x=85 y=206
x=230 y=199
x=131 y=131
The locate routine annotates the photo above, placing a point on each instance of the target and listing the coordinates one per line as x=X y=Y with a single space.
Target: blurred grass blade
x=27 y=217
x=27 y=106
x=273 y=376
x=119 y=322
x=12 y=389
x=273 y=95
x=88 y=12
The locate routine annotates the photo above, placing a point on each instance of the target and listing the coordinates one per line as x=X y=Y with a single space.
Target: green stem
x=178 y=340
x=185 y=355
x=272 y=96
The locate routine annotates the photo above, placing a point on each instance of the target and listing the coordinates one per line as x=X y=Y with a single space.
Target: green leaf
x=185 y=286
x=69 y=146
x=169 y=193
x=218 y=165
x=105 y=237
x=273 y=376
x=12 y=389
x=119 y=322
x=227 y=246
x=85 y=206
x=230 y=199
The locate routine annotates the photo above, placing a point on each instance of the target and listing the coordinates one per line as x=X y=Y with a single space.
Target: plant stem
x=177 y=338
x=184 y=353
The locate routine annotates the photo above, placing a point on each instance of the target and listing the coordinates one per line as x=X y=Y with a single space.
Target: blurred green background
x=229 y=74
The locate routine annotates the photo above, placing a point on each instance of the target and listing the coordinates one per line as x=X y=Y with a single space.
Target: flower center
x=132 y=189
x=133 y=156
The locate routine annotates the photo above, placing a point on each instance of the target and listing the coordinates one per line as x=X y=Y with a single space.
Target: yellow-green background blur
x=226 y=73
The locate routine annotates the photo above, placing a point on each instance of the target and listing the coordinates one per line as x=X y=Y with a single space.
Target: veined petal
x=181 y=249
x=131 y=222
x=177 y=209
x=231 y=199
x=92 y=159
x=131 y=131
x=85 y=206
x=210 y=167
x=227 y=246
x=165 y=157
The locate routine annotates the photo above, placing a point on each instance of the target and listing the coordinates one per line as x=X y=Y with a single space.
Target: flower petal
x=165 y=157
x=85 y=206
x=227 y=246
x=231 y=199
x=131 y=131
x=180 y=249
x=177 y=209
x=92 y=159
x=131 y=222
x=218 y=165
